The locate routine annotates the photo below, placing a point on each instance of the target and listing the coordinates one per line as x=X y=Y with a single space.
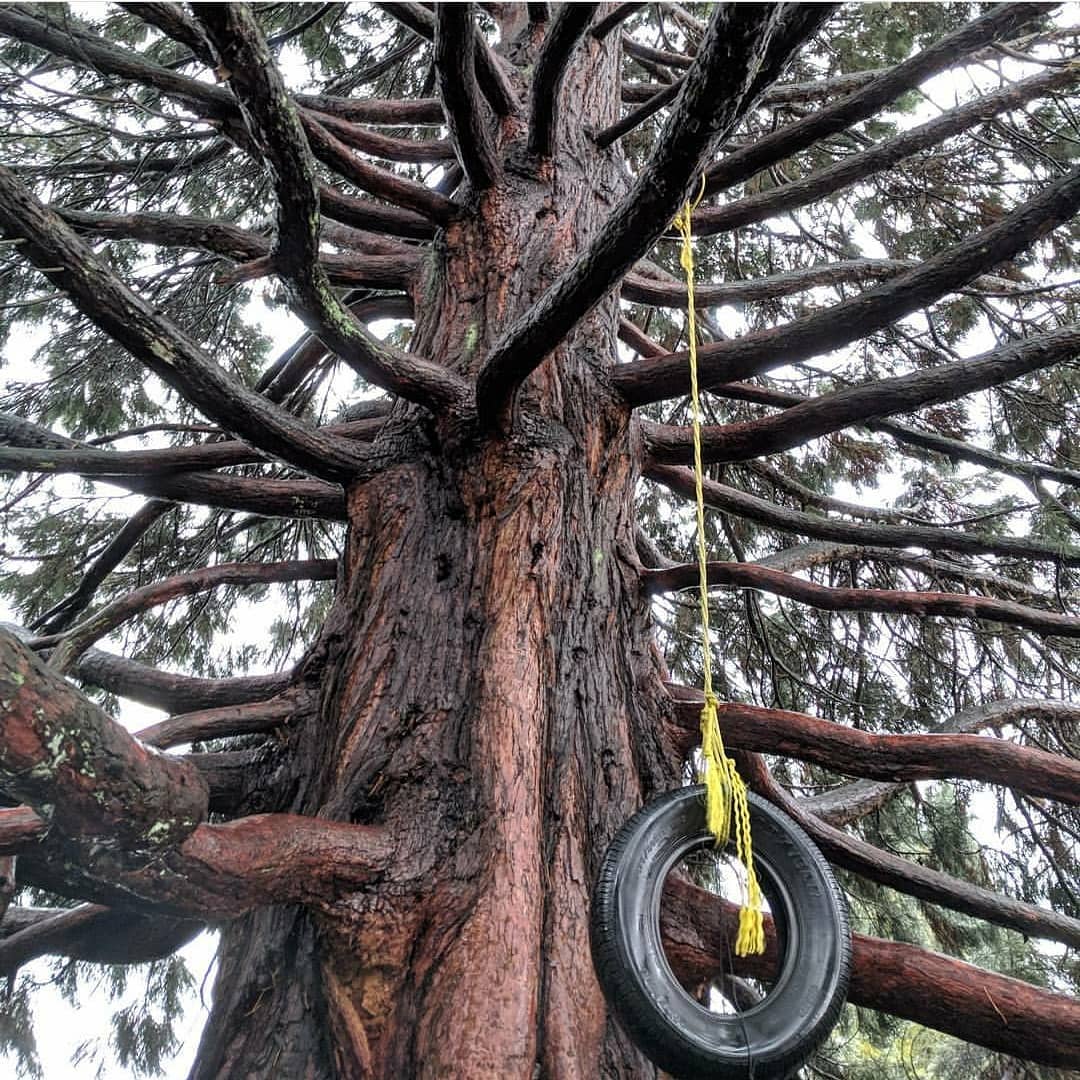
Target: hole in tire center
x=699 y=922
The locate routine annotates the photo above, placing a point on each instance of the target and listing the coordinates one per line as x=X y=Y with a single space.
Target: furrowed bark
x=563 y=36
x=888 y=601
x=730 y=500
x=970 y=1003
x=663 y=377
x=736 y=61
x=74 y=642
x=163 y=347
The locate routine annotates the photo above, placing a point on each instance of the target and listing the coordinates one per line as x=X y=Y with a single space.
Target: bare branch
x=392 y=112
x=618 y=14
x=20 y=827
x=718 y=362
x=78 y=639
x=455 y=50
x=901 y=758
x=812 y=419
x=563 y=37
x=92 y=933
x=909 y=877
x=60 y=615
x=731 y=500
x=888 y=601
x=253 y=718
x=866 y=101
x=742 y=52
x=271 y=114
x=709 y=221
x=159 y=344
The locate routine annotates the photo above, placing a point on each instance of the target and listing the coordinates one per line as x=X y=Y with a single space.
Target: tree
x=484 y=666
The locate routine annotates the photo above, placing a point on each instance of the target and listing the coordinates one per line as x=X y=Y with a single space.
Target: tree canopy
x=345 y=422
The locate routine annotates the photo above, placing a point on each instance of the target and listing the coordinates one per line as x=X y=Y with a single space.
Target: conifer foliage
x=344 y=422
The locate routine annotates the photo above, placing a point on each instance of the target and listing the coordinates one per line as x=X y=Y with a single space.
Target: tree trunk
x=487 y=688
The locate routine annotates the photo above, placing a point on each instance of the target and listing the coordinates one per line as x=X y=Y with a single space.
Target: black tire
x=771 y=1039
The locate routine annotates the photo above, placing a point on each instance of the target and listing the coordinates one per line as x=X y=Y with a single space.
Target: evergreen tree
x=411 y=590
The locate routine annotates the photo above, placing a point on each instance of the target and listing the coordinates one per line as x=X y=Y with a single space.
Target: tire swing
x=757 y=1019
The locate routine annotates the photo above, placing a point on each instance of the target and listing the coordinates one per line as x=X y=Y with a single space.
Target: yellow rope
x=726 y=808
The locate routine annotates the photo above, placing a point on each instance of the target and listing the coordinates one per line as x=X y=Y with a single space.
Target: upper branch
x=562 y=39
x=277 y=127
x=455 y=51
x=868 y=99
x=743 y=50
x=163 y=347
x=654 y=379
x=800 y=424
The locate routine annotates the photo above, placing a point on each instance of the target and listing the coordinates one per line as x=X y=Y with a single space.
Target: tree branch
x=274 y=120
x=899 y=758
x=743 y=50
x=668 y=376
x=888 y=601
x=970 y=1003
x=163 y=347
x=820 y=416
x=912 y=878
x=90 y=933
x=455 y=51
x=869 y=99
x=20 y=827
x=563 y=37
x=618 y=14
x=253 y=718
x=709 y=221
x=71 y=645
x=60 y=615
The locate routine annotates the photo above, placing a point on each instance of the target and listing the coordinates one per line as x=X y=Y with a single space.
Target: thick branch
x=90 y=933
x=743 y=50
x=455 y=51
x=253 y=718
x=971 y=1003
x=20 y=827
x=709 y=221
x=668 y=376
x=80 y=770
x=392 y=112
x=159 y=344
x=912 y=878
x=273 y=118
x=888 y=601
x=563 y=37
x=170 y=691
x=820 y=416
x=896 y=757
x=869 y=99
x=77 y=640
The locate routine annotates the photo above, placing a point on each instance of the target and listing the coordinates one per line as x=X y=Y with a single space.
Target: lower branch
x=892 y=757
x=203 y=724
x=970 y=1003
x=90 y=933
